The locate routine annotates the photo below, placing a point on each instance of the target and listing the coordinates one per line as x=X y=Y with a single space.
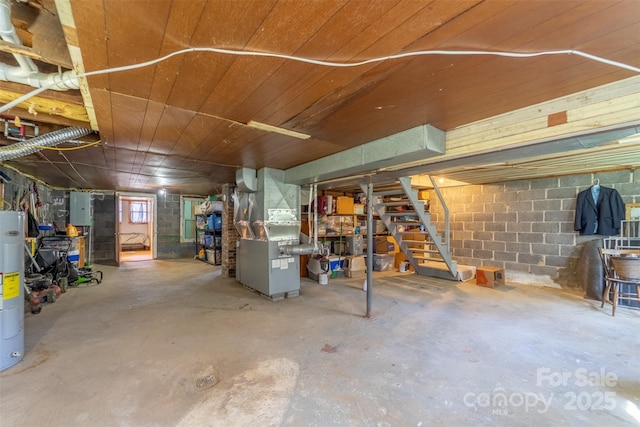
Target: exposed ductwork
x=422 y=141
x=51 y=139
x=27 y=72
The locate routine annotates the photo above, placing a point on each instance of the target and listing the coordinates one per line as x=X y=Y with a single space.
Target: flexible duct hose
x=24 y=148
x=298 y=249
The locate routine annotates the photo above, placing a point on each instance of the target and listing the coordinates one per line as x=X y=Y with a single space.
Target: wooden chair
x=621 y=268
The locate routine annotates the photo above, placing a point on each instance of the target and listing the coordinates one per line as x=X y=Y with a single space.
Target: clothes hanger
x=596 y=182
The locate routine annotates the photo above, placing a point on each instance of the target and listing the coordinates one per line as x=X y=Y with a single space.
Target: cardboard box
x=489 y=277
x=423 y=195
x=381 y=245
x=414 y=236
x=392 y=245
x=358 y=208
x=344 y=205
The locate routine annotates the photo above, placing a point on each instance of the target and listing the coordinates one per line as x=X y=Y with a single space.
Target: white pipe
x=65 y=81
x=8 y=34
x=27 y=73
x=314 y=194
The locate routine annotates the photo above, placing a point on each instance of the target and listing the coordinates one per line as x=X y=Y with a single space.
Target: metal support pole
x=369 y=247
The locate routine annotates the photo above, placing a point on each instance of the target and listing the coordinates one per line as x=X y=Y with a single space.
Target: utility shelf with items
x=209 y=238
x=333 y=230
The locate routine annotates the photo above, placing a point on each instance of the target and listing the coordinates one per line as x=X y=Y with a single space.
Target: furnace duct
x=304 y=249
x=33 y=145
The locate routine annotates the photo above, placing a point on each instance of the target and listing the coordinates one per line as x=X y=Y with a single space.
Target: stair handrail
x=445 y=208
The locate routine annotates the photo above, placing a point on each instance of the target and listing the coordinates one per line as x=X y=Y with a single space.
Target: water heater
x=11 y=288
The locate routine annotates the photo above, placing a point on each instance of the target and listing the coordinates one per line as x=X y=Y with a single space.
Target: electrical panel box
x=80 y=212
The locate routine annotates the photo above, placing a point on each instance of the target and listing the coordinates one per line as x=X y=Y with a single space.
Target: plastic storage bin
x=383 y=262
x=355 y=266
x=215 y=222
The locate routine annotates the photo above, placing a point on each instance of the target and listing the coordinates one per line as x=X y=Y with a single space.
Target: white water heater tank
x=12 y=255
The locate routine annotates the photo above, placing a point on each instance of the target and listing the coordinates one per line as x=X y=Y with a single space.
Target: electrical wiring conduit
x=39 y=90
x=50 y=139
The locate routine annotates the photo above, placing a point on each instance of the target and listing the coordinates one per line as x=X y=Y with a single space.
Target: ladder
x=404 y=216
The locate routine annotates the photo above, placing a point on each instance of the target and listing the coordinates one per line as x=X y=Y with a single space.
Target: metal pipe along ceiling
x=50 y=139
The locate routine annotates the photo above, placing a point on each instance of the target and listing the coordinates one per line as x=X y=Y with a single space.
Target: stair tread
x=390 y=192
x=395 y=203
x=418 y=232
x=401 y=213
x=426 y=258
x=430 y=251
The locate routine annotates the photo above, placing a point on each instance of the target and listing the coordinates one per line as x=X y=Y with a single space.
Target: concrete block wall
x=168 y=215
x=525 y=227
x=169 y=245
x=104 y=228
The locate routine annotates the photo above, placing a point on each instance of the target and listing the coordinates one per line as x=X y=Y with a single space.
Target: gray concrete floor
x=169 y=343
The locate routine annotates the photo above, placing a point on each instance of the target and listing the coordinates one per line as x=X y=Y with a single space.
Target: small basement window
x=138 y=212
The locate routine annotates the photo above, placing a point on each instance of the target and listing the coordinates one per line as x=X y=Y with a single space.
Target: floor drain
x=206 y=381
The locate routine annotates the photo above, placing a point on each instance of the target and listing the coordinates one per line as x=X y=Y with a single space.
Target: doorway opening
x=135 y=227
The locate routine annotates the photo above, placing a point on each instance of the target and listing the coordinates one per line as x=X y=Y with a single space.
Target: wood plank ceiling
x=181 y=123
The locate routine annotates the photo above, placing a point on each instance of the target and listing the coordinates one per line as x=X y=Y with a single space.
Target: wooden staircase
x=406 y=220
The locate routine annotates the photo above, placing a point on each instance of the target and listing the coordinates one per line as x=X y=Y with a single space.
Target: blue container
x=73 y=256
x=335 y=263
x=215 y=222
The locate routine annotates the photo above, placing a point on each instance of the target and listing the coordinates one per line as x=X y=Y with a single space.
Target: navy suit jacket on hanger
x=606 y=213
